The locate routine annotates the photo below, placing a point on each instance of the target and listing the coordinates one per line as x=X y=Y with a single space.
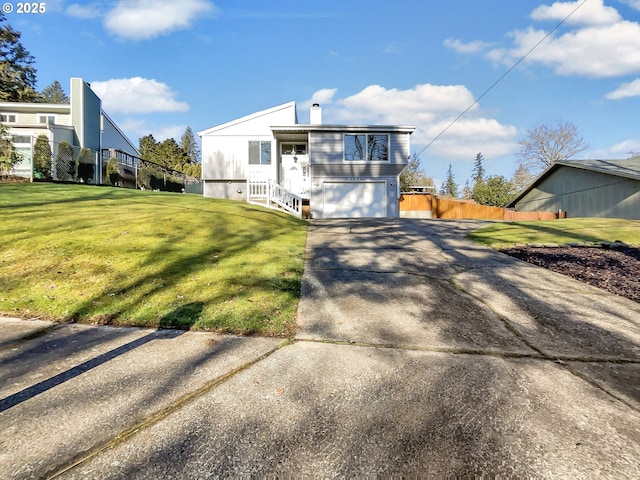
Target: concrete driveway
x=417 y=352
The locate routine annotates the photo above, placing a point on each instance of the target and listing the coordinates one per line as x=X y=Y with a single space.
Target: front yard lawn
x=570 y=230
x=127 y=257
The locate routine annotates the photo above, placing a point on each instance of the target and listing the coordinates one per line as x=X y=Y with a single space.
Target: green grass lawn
x=127 y=257
x=568 y=230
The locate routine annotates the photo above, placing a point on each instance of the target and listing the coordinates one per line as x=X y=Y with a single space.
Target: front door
x=294 y=168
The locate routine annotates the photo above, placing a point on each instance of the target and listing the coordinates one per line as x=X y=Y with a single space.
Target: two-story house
x=81 y=123
x=340 y=171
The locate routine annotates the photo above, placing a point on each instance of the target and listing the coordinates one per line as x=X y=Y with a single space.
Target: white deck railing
x=272 y=195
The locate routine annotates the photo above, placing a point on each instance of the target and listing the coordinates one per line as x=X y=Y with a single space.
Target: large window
x=259 y=152
x=8 y=117
x=363 y=147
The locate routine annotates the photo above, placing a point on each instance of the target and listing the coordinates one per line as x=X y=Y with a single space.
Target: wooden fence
x=426 y=205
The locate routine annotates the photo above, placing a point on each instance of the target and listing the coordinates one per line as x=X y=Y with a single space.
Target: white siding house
x=339 y=170
x=81 y=123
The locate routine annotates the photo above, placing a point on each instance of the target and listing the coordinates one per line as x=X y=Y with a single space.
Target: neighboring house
x=585 y=188
x=81 y=123
x=340 y=171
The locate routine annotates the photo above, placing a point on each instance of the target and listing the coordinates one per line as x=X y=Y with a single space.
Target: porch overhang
x=279 y=131
x=290 y=134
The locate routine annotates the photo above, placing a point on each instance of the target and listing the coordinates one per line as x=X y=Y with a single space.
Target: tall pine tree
x=54 y=94
x=17 y=73
x=449 y=187
x=189 y=146
x=478 y=169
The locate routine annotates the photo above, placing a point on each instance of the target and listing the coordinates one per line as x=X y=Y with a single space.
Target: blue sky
x=162 y=65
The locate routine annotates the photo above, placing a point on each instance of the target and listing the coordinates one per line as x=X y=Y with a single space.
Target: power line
x=503 y=76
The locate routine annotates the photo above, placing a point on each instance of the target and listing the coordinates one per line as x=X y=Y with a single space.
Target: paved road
x=417 y=352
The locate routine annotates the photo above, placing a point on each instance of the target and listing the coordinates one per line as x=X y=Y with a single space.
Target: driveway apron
x=417 y=352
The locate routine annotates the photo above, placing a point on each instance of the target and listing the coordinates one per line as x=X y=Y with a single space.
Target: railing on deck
x=272 y=195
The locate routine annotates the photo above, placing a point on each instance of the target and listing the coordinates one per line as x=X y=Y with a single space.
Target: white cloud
x=324 y=97
x=600 y=51
x=91 y=10
x=593 y=12
x=136 y=128
x=471 y=47
x=431 y=108
x=465 y=138
x=161 y=133
x=623 y=149
x=146 y=19
x=601 y=44
x=137 y=95
x=631 y=89
x=632 y=3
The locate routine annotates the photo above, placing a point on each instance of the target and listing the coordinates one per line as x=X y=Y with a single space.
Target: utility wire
x=503 y=76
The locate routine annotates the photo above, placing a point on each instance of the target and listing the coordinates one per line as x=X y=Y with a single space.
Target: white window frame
x=47 y=116
x=260 y=143
x=8 y=115
x=366 y=147
x=294 y=144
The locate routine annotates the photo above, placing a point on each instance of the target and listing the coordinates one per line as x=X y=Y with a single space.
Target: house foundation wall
x=228 y=189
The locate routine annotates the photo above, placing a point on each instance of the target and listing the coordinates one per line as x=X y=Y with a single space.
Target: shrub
x=86 y=168
x=113 y=171
x=42 y=158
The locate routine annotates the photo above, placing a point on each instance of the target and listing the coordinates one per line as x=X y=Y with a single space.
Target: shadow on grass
x=567 y=235
x=183 y=317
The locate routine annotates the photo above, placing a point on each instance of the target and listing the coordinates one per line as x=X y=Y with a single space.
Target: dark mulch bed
x=616 y=270
x=13 y=179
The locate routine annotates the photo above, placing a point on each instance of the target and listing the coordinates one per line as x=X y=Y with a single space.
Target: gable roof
x=627 y=168
x=250 y=117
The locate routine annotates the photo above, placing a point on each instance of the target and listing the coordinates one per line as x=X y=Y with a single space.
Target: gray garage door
x=354 y=199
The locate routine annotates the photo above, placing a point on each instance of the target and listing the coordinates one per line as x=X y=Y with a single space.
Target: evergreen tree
x=449 y=187
x=478 y=179
x=54 y=94
x=189 y=146
x=148 y=147
x=466 y=191
x=42 y=158
x=8 y=156
x=169 y=154
x=17 y=73
x=495 y=191
x=478 y=169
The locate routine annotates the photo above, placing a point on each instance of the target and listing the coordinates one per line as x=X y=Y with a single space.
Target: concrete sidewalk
x=417 y=352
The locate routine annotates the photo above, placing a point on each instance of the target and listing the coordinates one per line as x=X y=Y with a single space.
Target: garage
x=360 y=199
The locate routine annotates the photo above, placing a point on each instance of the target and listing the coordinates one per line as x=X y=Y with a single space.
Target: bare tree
x=544 y=145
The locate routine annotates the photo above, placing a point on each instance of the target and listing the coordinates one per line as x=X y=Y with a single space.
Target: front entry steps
x=270 y=194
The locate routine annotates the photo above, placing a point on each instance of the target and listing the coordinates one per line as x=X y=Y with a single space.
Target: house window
x=259 y=152
x=22 y=139
x=363 y=147
x=8 y=117
x=47 y=119
x=293 y=149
